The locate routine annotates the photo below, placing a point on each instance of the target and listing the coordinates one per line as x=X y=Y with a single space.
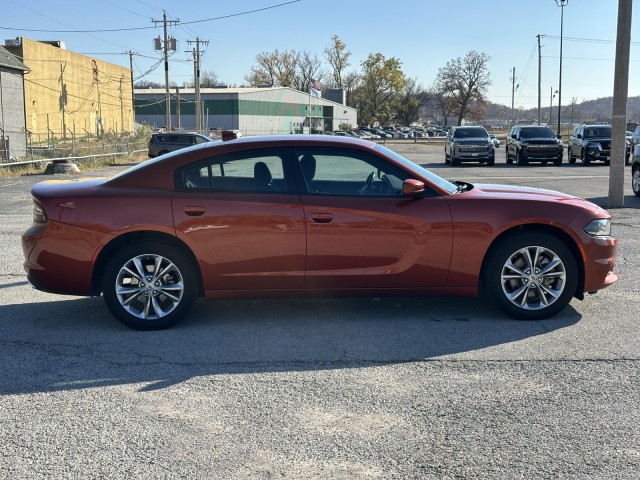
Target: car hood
x=511 y=192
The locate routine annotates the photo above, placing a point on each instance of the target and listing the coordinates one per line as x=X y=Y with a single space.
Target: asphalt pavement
x=435 y=388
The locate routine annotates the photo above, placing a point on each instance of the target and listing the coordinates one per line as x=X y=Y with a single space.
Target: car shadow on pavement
x=75 y=343
x=630 y=201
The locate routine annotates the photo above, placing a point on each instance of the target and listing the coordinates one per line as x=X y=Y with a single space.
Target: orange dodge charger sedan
x=308 y=215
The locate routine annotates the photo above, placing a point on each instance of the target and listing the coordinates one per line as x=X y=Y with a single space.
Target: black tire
x=584 y=158
x=519 y=159
x=491 y=162
x=558 y=161
x=163 y=152
x=509 y=159
x=447 y=158
x=635 y=181
x=454 y=161
x=524 y=292
x=140 y=305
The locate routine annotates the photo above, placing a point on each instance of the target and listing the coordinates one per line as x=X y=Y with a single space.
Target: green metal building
x=253 y=111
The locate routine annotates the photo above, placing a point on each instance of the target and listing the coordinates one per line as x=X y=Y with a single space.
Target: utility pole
x=166 y=47
x=63 y=100
x=561 y=4
x=539 y=80
x=131 y=54
x=514 y=87
x=619 y=116
x=178 y=123
x=196 y=75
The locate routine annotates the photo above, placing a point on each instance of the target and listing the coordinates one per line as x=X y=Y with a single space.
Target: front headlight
x=599 y=228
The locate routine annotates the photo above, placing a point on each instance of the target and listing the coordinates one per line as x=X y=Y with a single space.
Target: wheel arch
x=114 y=245
x=543 y=228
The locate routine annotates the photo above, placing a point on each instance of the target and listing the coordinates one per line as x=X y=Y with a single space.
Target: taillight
x=39 y=214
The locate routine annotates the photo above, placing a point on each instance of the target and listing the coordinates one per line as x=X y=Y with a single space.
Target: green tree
x=464 y=82
x=381 y=80
x=409 y=102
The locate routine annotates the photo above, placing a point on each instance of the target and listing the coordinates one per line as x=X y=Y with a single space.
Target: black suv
x=468 y=144
x=635 y=171
x=592 y=142
x=161 y=143
x=533 y=143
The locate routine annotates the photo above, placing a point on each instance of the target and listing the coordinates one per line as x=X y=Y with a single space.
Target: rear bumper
x=59 y=258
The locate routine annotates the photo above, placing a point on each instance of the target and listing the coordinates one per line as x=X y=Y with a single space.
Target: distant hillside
x=590 y=111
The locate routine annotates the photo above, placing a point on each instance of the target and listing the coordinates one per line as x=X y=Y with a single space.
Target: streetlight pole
x=561 y=4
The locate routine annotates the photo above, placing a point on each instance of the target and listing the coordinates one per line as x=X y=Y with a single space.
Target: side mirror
x=579 y=135
x=412 y=187
x=559 y=137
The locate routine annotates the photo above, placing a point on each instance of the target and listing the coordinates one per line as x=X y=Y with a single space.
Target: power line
x=106 y=30
x=586 y=40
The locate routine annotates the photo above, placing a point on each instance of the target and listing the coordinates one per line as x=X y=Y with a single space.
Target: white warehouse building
x=252 y=111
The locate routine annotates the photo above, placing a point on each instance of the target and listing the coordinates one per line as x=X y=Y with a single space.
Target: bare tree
x=463 y=80
x=277 y=69
x=350 y=83
x=338 y=57
x=308 y=67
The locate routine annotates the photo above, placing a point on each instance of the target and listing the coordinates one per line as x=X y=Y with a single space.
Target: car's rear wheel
x=150 y=285
x=531 y=276
x=635 y=181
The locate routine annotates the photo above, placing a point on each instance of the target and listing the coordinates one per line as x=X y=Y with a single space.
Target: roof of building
x=9 y=60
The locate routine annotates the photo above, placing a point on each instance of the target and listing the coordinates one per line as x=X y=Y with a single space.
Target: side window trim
x=221 y=160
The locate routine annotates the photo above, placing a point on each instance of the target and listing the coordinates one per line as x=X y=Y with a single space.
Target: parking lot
x=326 y=388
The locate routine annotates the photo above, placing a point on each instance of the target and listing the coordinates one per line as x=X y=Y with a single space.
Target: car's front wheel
x=530 y=276
x=150 y=285
x=520 y=160
x=635 y=181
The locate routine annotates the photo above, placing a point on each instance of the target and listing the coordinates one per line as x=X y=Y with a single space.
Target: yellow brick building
x=72 y=93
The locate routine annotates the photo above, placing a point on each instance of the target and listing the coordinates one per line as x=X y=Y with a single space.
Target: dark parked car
x=635 y=139
x=592 y=142
x=635 y=171
x=468 y=144
x=533 y=143
x=308 y=215
x=161 y=143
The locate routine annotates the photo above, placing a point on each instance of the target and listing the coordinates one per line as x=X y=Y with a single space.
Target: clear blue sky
x=423 y=34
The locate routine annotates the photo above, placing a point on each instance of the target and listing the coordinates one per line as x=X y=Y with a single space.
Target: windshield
x=537 y=133
x=432 y=177
x=470 y=132
x=593 y=132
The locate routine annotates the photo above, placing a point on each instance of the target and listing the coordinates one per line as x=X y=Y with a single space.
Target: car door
x=243 y=221
x=362 y=232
